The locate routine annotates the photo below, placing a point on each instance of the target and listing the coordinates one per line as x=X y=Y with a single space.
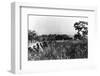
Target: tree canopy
x=82 y=29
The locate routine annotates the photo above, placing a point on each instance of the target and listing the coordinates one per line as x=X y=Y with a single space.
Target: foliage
x=61 y=50
x=32 y=36
x=82 y=30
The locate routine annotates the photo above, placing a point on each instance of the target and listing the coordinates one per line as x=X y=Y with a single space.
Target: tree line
x=32 y=35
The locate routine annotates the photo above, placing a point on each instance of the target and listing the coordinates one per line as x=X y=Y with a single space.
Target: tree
x=32 y=35
x=81 y=28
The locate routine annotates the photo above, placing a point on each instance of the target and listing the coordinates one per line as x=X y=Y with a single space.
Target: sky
x=53 y=25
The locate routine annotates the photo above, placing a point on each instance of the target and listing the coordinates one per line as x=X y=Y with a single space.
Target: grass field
x=64 y=49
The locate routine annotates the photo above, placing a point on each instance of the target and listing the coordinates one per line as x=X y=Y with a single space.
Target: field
x=61 y=49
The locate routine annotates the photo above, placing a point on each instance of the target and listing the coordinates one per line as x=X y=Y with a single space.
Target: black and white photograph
x=50 y=38
x=57 y=37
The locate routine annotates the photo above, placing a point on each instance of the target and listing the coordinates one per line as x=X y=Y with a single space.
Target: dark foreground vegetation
x=61 y=50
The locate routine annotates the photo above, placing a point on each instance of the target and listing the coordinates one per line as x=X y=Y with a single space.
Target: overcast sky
x=53 y=25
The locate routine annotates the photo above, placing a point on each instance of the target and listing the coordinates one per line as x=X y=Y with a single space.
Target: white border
x=16 y=40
